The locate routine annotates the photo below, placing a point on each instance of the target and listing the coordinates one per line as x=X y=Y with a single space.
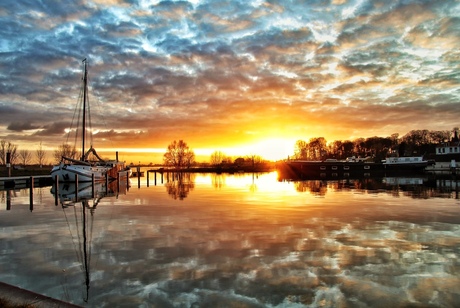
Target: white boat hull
x=80 y=173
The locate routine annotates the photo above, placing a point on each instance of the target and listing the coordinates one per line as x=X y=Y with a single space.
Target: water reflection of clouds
x=269 y=247
x=305 y=265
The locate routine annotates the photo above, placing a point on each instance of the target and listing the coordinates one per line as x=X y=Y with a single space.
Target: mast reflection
x=79 y=202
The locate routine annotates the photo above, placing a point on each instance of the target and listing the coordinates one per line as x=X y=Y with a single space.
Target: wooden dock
x=19 y=182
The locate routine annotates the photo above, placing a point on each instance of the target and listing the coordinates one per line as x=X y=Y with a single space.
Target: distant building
x=447 y=151
x=448 y=148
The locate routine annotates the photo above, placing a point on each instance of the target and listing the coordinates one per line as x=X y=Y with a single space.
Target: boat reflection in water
x=79 y=202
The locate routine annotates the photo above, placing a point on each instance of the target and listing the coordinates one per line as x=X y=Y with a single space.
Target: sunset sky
x=243 y=77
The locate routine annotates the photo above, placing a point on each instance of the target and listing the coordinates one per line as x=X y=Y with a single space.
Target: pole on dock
x=56 y=192
x=138 y=177
x=8 y=199
x=155 y=178
x=148 y=175
x=8 y=163
x=31 y=193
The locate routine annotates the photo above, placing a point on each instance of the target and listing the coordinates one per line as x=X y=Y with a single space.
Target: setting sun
x=269 y=149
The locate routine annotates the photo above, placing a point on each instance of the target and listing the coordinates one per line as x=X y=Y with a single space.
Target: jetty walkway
x=18 y=182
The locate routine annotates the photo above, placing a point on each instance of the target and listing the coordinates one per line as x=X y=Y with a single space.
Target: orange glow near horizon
x=268 y=149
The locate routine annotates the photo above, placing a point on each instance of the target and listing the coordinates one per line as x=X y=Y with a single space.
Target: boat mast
x=85 y=85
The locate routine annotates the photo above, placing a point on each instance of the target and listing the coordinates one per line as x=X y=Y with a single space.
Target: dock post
x=56 y=192
x=8 y=199
x=162 y=177
x=148 y=173
x=138 y=177
x=8 y=163
x=31 y=193
x=155 y=178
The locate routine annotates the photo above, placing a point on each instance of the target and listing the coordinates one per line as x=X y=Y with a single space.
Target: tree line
x=21 y=156
x=179 y=155
x=415 y=142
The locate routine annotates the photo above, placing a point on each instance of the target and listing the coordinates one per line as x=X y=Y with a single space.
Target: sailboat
x=83 y=169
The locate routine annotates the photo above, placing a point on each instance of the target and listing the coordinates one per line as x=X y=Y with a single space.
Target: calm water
x=239 y=241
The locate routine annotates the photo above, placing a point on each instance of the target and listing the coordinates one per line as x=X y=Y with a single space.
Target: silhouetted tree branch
x=179 y=155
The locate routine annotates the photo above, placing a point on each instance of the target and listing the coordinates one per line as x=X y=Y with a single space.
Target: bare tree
x=25 y=157
x=440 y=136
x=301 y=150
x=254 y=159
x=40 y=155
x=317 y=148
x=179 y=155
x=65 y=150
x=336 y=149
x=189 y=158
x=217 y=157
x=8 y=147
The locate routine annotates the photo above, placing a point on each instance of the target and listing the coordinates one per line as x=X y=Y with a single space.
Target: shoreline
x=18 y=297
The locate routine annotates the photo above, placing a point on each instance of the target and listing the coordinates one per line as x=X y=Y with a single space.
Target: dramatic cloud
x=220 y=74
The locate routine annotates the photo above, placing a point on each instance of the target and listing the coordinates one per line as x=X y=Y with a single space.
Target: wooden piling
x=8 y=163
x=8 y=199
x=76 y=187
x=31 y=193
x=56 y=191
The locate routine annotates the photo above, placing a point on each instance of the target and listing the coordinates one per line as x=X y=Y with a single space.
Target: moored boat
x=406 y=163
x=84 y=169
x=305 y=169
x=334 y=169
